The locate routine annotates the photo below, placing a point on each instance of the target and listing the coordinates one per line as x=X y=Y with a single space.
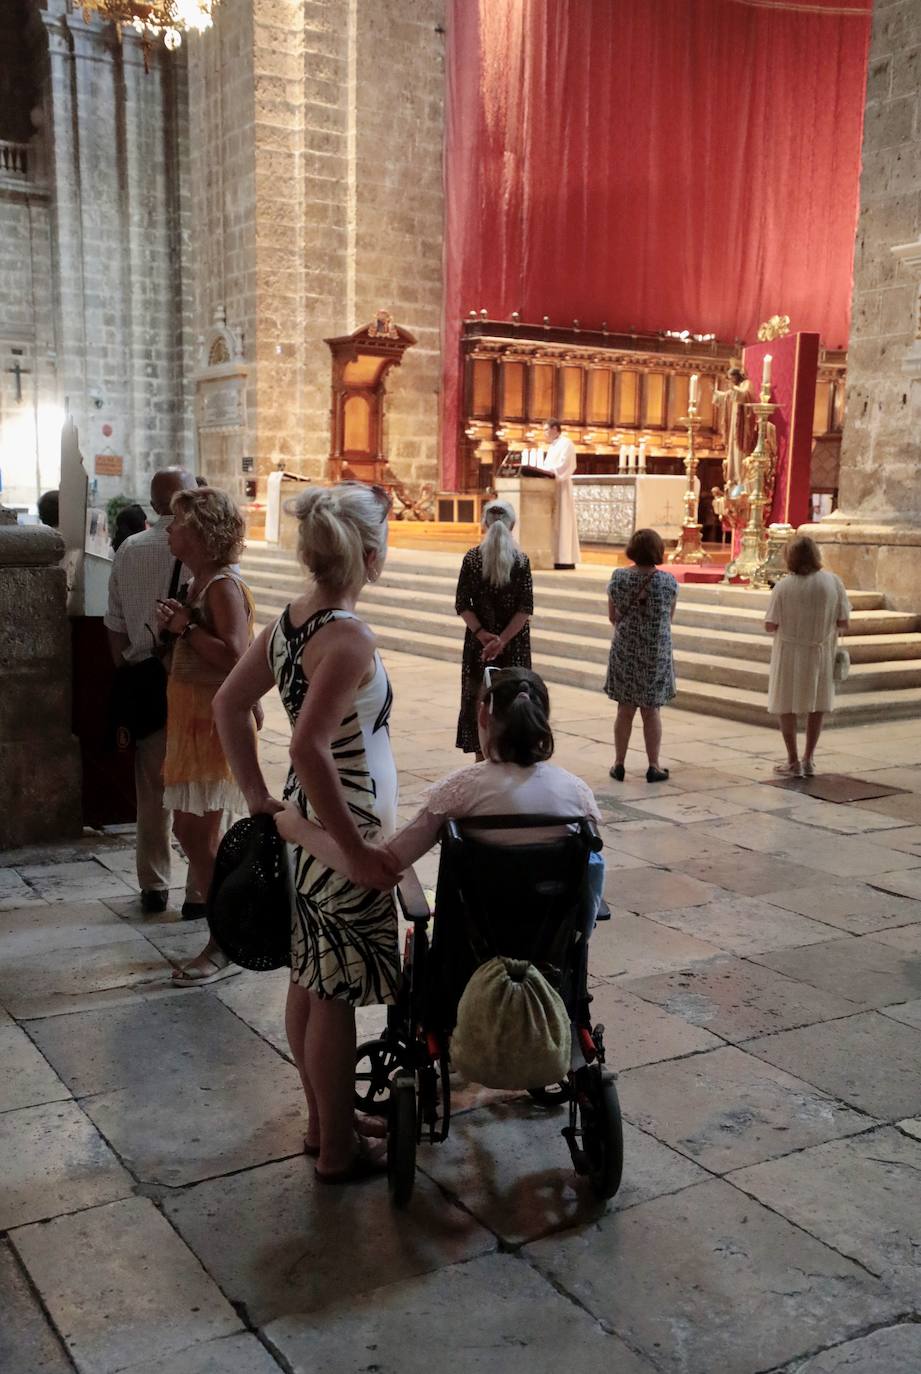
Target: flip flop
x=363 y=1166
x=187 y=977
x=314 y=1150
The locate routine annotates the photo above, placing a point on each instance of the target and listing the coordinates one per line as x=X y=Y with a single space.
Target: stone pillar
x=874 y=539
x=39 y=757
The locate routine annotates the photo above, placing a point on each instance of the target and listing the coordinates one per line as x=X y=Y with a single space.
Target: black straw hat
x=249 y=904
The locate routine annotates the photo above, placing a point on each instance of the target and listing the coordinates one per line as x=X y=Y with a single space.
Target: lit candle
x=692 y=389
x=622 y=458
x=642 y=463
x=766 y=373
x=631 y=458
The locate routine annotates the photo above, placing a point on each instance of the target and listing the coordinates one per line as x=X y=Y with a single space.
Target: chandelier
x=154 y=18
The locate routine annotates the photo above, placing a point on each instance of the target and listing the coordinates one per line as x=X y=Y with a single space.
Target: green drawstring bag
x=512 y=1028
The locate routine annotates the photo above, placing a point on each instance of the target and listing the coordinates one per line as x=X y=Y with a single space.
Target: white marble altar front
x=610 y=507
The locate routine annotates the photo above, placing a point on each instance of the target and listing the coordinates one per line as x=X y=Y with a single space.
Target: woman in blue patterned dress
x=323 y=659
x=641 y=669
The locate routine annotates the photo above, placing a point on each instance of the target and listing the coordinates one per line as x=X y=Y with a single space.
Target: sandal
x=361 y=1119
x=364 y=1165
x=202 y=970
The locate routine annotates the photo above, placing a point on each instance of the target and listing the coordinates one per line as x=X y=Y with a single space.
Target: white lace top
x=497 y=789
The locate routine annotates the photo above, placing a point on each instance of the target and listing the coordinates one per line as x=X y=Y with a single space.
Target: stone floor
x=761 y=985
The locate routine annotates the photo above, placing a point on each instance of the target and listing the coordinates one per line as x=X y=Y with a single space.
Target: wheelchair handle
x=587 y=827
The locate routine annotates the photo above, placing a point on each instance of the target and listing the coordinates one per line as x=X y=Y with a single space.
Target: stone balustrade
x=14 y=159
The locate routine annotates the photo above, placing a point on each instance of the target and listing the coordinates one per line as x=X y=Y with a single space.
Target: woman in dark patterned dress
x=495 y=600
x=641 y=669
x=344 y=950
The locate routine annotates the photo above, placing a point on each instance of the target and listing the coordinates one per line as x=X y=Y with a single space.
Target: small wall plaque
x=109 y=465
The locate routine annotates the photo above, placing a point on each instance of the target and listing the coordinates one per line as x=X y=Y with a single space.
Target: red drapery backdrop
x=656 y=164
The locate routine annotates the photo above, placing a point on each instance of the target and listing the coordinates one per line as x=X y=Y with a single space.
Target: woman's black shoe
x=657 y=774
x=154 y=899
x=194 y=911
x=617 y=772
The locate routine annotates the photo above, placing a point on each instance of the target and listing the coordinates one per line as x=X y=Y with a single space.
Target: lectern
x=531 y=498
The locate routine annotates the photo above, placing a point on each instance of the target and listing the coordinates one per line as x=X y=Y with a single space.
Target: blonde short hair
x=337 y=528
x=802 y=555
x=215 y=518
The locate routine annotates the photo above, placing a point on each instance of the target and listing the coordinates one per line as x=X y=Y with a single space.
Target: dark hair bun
x=519 y=704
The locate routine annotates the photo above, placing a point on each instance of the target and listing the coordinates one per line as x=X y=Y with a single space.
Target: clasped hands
x=491 y=645
x=370 y=865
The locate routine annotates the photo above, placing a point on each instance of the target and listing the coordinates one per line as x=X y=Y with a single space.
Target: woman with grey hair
x=495 y=600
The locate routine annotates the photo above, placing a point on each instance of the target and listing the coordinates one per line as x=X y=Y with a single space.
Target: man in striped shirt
x=141 y=575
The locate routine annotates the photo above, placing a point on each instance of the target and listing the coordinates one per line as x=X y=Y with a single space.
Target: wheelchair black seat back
x=522 y=900
x=525 y=901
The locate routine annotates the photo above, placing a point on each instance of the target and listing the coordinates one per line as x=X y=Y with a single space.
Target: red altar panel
x=794 y=365
x=656 y=164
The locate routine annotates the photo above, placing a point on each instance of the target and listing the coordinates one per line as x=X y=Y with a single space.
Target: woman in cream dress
x=805 y=614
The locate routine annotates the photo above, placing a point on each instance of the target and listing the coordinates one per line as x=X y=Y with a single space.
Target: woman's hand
x=492 y=649
x=172 y=616
x=267 y=806
x=374 y=866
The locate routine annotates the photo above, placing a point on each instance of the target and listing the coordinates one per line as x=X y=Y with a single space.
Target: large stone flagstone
x=653 y=889
x=189 y=1130
x=860 y=968
x=190 y=1038
x=495 y=1315
x=26 y=1078
x=844 y=856
x=909 y=1013
x=854 y=907
x=869 y=1060
x=73 y=882
x=744 y=925
x=28 y=1344
x=67 y=980
x=898 y=879
x=758 y=873
x=861 y=1196
x=895 y=1350
x=708 y=1281
x=54 y=1161
x=15 y=892
x=724 y=1109
x=633 y=945
x=508 y=1163
x=227 y=1355
x=638 y=1033
x=279 y=1242
x=136 y=1293
x=737 y=999
x=32 y=931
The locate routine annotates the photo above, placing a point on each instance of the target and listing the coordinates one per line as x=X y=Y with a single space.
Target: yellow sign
x=109 y=465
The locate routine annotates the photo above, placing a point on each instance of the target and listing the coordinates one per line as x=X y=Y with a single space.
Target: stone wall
x=330 y=153
x=874 y=539
x=39 y=757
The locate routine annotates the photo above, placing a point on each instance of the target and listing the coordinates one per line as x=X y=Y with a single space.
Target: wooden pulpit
x=361 y=362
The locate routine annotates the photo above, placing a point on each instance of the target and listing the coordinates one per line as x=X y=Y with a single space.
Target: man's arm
x=118 y=644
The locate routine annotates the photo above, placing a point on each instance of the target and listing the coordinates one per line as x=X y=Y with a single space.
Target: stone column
x=39 y=757
x=874 y=539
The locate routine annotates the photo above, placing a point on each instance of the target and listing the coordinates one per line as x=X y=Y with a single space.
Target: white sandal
x=190 y=976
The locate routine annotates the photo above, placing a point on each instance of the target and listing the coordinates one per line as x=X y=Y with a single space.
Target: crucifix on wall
x=18 y=371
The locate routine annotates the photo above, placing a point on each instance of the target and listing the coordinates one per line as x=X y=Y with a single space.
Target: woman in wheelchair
x=545 y=888
x=515 y=779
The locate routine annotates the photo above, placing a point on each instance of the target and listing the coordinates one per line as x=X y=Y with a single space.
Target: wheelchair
x=524 y=901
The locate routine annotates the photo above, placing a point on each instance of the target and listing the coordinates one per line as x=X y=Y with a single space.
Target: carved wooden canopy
x=361 y=362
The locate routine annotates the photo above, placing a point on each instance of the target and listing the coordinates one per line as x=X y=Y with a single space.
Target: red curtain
x=656 y=164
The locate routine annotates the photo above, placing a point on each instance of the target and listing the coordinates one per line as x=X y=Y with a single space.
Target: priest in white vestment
x=560 y=459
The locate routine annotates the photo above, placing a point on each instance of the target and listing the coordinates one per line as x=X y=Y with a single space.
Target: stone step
x=585 y=583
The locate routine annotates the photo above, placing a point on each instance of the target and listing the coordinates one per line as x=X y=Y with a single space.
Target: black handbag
x=137 y=703
x=249 y=902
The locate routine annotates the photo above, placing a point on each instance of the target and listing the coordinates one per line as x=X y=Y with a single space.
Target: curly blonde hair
x=215 y=518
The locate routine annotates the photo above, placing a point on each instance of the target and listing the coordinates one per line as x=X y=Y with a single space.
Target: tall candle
x=692 y=389
x=631 y=458
x=766 y=373
x=622 y=458
x=642 y=459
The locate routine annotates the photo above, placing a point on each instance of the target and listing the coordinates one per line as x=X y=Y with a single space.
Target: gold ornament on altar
x=689 y=548
x=152 y=19
x=758 y=482
x=777 y=327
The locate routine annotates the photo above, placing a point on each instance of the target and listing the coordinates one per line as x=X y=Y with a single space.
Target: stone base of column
x=873 y=557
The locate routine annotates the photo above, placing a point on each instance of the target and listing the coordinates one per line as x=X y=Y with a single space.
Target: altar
x=610 y=507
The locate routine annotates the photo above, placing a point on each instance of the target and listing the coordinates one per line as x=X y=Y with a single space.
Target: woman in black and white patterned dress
x=344 y=949
x=641 y=667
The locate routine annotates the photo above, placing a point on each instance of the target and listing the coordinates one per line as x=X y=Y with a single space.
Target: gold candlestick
x=754 y=537
x=689 y=547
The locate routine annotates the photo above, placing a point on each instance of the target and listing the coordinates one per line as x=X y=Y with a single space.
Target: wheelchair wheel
x=401 y=1140
x=554 y=1094
x=602 y=1135
x=376 y=1062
